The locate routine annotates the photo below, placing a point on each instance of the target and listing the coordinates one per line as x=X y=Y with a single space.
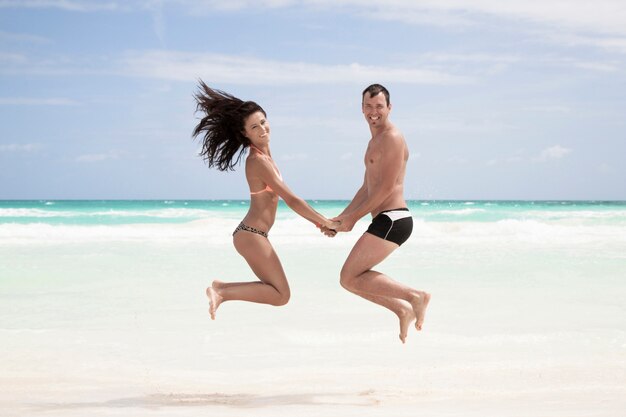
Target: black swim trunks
x=392 y=225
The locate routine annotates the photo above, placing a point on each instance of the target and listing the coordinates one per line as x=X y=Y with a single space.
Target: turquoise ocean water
x=102 y=312
x=114 y=212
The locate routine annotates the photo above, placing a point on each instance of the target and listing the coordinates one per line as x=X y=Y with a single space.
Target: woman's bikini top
x=267 y=187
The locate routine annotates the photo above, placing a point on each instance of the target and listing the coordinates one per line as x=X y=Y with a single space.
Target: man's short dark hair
x=375 y=89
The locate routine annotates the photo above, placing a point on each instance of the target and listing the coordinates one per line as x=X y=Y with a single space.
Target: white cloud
x=458 y=160
x=600 y=16
x=477 y=58
x=10 y=58
x=183 y=66
x=597 y=66
x=98 y=157
x=158 y=22
x=554 y=152
x=29 y=147
x=24 y=101
x=294 y=157
x=568 y=63
x=508 y=161
x=549 y=109
x=613 y=44
x=414 y=14
x=219 y=68
x=202 y=7
x=609 y=43
x=68 y=5
x=234 y=5
x=478 y=64
x=23 y=37
x=514 y=159
x=605 y=168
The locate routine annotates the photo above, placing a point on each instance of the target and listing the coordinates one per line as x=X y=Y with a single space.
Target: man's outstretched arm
x=381 y=181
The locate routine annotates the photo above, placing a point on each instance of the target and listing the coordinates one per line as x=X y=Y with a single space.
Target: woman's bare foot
x=406 y=318
x=214 y=301
x=419 y=304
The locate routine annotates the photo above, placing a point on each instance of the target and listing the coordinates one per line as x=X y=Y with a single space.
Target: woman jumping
x=228 y=128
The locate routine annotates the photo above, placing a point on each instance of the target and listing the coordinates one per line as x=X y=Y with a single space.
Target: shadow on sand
x=157 y=401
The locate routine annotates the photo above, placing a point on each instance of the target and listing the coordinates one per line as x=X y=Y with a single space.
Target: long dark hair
x=223 y=142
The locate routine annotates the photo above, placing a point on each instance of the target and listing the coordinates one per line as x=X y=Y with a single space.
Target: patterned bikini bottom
x=250 y=229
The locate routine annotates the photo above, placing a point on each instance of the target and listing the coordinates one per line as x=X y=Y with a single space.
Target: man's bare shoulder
x=391 y=134
x=392 y=138
x=396 y=133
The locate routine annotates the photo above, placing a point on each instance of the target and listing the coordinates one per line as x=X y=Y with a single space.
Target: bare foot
x=419 y=304
x=406 y=318
x=214 y=301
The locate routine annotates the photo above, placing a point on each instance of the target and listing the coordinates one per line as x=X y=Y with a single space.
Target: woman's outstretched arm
x=267 y=174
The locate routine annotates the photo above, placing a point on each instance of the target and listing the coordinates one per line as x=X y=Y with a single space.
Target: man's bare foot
x=406 y=318
x=419 y=304
x=214 y=301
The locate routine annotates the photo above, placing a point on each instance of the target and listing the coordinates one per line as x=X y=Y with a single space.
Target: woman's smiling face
x=257 y=129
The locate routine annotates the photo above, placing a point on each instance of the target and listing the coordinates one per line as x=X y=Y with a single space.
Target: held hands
x=329 y=228
x=341 y=223
x=328 y=232
x=346 y=223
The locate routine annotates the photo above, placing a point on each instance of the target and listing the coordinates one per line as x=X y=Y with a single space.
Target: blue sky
x=497 y=99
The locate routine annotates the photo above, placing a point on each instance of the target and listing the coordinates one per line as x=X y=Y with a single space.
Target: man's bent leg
x=357 y=274
x=358 y=277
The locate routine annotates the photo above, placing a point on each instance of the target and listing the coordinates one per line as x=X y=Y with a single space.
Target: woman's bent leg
x=272 y=287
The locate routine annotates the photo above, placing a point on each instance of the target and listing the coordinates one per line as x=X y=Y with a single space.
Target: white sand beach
x=113 y=321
